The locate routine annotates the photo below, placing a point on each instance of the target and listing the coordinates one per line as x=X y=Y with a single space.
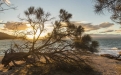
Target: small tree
x=61 y=47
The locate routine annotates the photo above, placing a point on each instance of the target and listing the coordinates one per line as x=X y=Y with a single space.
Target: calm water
x=107 y=45
x=6 y=44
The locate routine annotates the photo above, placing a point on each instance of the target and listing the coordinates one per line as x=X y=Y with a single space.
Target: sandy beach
x=103 y=65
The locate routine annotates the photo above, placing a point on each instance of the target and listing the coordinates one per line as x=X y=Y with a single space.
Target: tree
x=62 y=47
x=112 y=6
x=7 y=3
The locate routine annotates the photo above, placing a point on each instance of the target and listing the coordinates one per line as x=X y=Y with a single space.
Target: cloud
x=1 y=21
x=86 y=26
x=107 y=31
x=118 y=31
x=90 y=26
x=14 y=25
x=3 y=29
x=105 y=25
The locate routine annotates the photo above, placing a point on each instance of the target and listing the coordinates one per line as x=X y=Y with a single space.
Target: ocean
x=109 y=45
x=106 y=45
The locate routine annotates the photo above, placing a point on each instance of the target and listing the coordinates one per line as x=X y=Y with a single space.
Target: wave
x=113 y=51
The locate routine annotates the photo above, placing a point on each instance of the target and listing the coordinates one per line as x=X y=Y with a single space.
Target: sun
x=30 y=36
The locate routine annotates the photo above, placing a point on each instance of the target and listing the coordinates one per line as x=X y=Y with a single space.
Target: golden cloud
x=15 y=25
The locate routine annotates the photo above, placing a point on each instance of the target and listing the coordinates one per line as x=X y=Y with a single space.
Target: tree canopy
x=112 y=6
x=7 y=3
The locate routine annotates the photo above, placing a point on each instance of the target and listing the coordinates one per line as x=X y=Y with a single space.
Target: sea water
x=109 y=45
x=106 y=45
x=7 y=44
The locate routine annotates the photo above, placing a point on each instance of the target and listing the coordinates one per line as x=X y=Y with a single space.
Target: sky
x=82 y=11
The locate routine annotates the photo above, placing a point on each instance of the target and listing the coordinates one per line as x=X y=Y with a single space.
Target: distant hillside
x=5 y=36
x=105 y=35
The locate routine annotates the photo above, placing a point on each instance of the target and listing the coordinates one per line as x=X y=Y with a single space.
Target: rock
x=108 y=56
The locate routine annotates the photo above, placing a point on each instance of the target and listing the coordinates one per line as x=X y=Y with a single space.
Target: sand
x=103 y=65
